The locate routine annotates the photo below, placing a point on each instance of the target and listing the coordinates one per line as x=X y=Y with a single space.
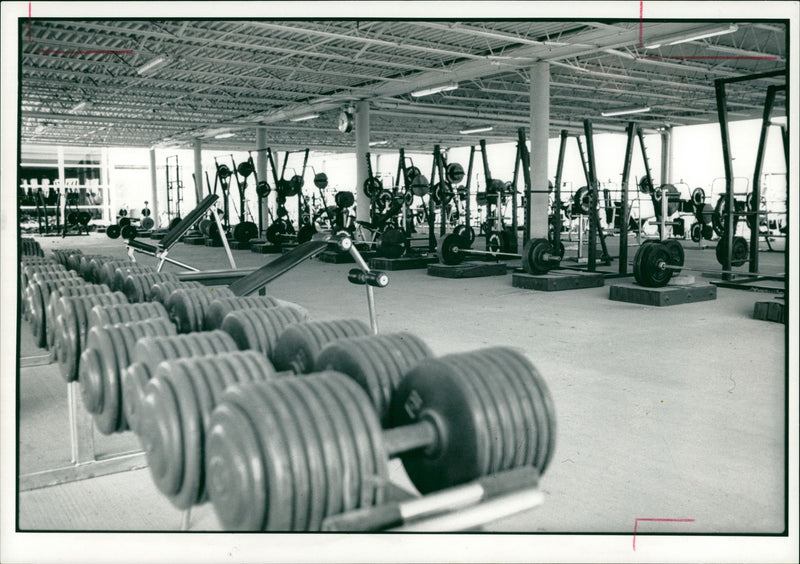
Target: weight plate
x=465 y=232
x=245 y=231
x=263 y=189
x=494 y=242
x=306 y=233
x=84 y=217
x=129 y=232
x=124 y=221
x=147 y=223
x=698 y=197
x=245 y=168
x=536 y=257
x=344 y=199
x=419 y=185
x=113 y=231
x=321 y=180
x=372 y=187
x=741 y=250
x=676 y=252
x=72 y=218
x=275 y=233
x=645 y=185
x=652 y=273
x=451 y=249
x=145 y=212
x=696 y=232
x=223 y=171
x=455 y=173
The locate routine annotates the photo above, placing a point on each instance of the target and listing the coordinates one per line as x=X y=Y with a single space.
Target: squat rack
x=722 y=114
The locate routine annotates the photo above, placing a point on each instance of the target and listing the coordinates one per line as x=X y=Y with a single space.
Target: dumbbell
x=90 y=263
x=121 y=273
x=39 y=277
x=54 y=305
x=61 y=255
x=108 y=352
x=299 y=345
x=106 y=273
x=137 y=285
x=377 y=363
x=27 y=271
x=38 y=296
x=149 y=352
x=125 y=312
x=74 y=262
x=372 y=278
x=259 y=329
x=285 y=454
x=161 y=291
x=187 y=306
x=174 y=408
x=71 y=326
x=220 y=307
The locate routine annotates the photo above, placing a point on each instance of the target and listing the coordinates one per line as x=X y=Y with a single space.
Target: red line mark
x=102 y=51
x=713 y=58
x=30 y=23
x=641 y=21
x=636 y=525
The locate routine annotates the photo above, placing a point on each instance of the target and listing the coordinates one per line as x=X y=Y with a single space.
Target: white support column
x=666 y=156
x=261 y=172
x=154 y=190
x=540 y=129
x=362 y=147
x=198 y=170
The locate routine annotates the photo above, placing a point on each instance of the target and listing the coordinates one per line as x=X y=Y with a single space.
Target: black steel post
x=722 y=115
x=624 y=211
x=587 y=127
x=562 y=147
x=431 y=205
x=756 y=195
x=525 y=159
x=467 y=187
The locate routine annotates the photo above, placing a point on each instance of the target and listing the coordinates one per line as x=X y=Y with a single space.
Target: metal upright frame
x=722 y=115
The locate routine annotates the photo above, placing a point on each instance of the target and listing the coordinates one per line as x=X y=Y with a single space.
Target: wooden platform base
x=265 y=248
x=770 y=311
x=405 y=263
x=666 y=296
x=467 y=270
x=557 y=280
x=239 y=245
x=195 y=240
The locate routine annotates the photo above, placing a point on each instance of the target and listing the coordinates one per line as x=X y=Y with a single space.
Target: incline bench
x=161 y=249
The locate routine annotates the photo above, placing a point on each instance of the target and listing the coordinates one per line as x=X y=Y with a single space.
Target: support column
x=154 y=191
x=362 y=148
x=538 y=201
x=261 y=172
x=198 y=170
x=666 y=156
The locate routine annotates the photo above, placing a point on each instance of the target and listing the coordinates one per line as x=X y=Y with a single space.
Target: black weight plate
x=494 y=242
x=321 y=180
x=676 y=252
x=698 y=197
x=708 y=232
x=72 y=218
x=244 y=168
x=740 y=252
x=419 y=185
x=533 y=257
x=263 y=189
x=147 y=223
x=129 y=232
x=465 y=232
x=344 y=199
x=124 y=221
x=653 y=275
x=245 y=231
x=645 y=185
x=84 y=217
x=145 y=212
x=450 y=249
x=306 y=233
x=455 y=173
x=696 y=232
x=274 y=233
x=113 y=231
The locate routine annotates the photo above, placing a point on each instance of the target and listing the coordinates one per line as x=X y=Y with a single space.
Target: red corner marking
x=30 y=23
x=641 y=21
x=636 y=525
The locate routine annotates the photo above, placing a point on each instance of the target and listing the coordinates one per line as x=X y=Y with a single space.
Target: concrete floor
x=674 y=412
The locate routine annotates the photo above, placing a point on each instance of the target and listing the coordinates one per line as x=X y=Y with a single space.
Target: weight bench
x=161 y=250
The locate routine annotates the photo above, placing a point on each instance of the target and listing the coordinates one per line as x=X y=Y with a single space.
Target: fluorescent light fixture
x=83 y=105
x=476 y=130
x=374 y=143
x=434 y=90
x=152 y=65
x=696 y=37
x=304 y=118
x=225 y=135
x=624 y=111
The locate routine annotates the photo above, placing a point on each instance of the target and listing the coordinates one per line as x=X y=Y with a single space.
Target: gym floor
x=670 y=412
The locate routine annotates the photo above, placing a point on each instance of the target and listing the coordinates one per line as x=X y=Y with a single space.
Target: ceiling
x=228 y=76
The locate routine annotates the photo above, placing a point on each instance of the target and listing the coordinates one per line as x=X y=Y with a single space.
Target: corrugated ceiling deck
x=236 y=74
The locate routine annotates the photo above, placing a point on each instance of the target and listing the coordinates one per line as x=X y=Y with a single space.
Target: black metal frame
x=722 y=115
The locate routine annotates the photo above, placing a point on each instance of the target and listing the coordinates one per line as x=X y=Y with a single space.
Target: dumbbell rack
x=84 y=462
x=174 y=184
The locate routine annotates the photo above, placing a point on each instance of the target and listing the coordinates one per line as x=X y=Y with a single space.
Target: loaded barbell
x=538 y=256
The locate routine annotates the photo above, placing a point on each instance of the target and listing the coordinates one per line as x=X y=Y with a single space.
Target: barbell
x=538 y=256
